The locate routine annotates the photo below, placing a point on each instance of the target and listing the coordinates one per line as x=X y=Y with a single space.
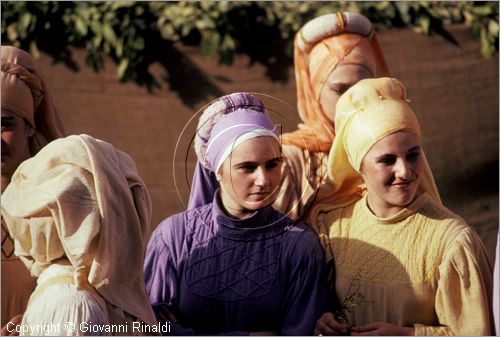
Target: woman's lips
x=403 y=184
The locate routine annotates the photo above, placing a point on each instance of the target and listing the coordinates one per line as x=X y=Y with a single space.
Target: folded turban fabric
x=82 y=200
x=26 y=94
x=213 y=112
x=232 y=130
x=320 y=46
x=369 y=111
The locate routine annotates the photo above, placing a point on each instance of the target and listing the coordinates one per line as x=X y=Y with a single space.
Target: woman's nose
x=261 y=178
x=403 y=169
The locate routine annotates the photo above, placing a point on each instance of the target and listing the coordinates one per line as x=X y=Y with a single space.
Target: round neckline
x=262 y=224
x=397 y=218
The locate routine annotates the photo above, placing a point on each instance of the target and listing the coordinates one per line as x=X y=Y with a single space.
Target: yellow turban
x=369 y=111
x=375 y=108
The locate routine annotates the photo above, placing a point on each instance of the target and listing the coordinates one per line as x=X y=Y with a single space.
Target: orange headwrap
x=320 y=46
x=25 y=93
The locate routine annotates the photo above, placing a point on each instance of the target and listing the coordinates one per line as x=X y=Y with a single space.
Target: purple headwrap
x=226 y=123
x=232 y=130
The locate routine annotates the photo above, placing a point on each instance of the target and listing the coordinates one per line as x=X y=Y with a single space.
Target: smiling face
x=15 y=144
x=249 y=178
x=339 y=80
x=391 y=171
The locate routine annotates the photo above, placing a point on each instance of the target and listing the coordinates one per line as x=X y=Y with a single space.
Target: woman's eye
x=248 y=168
x=7 y=126
x=340 y=90
x=413 y=156
x=387 y=160
x=272 y=164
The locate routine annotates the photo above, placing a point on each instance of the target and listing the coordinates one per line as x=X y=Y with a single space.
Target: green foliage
x=131 y=33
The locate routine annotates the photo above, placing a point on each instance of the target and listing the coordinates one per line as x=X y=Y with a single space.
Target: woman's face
x=391 y=171
x=249 y=178
x=15 y=142
x=340 y=79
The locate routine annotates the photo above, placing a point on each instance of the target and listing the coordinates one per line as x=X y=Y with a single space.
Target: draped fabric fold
x=82 y=200
x=320 y=47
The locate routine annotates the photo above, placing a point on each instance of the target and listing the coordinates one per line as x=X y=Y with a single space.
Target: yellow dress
x=423 y=267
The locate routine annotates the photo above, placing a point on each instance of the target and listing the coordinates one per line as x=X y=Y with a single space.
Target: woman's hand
x=382 y=329
x=329 y=325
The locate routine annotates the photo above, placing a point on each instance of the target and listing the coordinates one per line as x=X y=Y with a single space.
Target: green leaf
x=228 y=43
x=12 y=32
x=493 y=28
x=403 y=9
x=122 y=68
x=119 y=48
x=424 y=23
x=34 y=49
x=109 y=33
x=80 y=26
x=482 y=10
x=96 y=41
x=210 y=42
x=24 y=21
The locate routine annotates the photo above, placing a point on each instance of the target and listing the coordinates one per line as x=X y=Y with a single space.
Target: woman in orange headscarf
x=29 y=121
x=332 y=52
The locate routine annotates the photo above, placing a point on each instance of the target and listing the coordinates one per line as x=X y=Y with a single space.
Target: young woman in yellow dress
x=404 y=264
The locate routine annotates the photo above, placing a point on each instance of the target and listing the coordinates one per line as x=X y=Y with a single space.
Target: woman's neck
x=384 y=210
x=233 y=210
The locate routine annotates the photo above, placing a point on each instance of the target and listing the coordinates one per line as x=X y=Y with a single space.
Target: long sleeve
x=307 y=297
x=160 y=274
x=464 y=290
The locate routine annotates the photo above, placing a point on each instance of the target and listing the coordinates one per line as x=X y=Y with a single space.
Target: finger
x=323 y=330
x=332 y=322
x=366 y=327
x=375 y=332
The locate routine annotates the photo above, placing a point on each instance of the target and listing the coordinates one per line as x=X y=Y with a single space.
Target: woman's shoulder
x=453 y=229
x=336 y=213
x=297 y=235
x=178 y=224
x=436 y=212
